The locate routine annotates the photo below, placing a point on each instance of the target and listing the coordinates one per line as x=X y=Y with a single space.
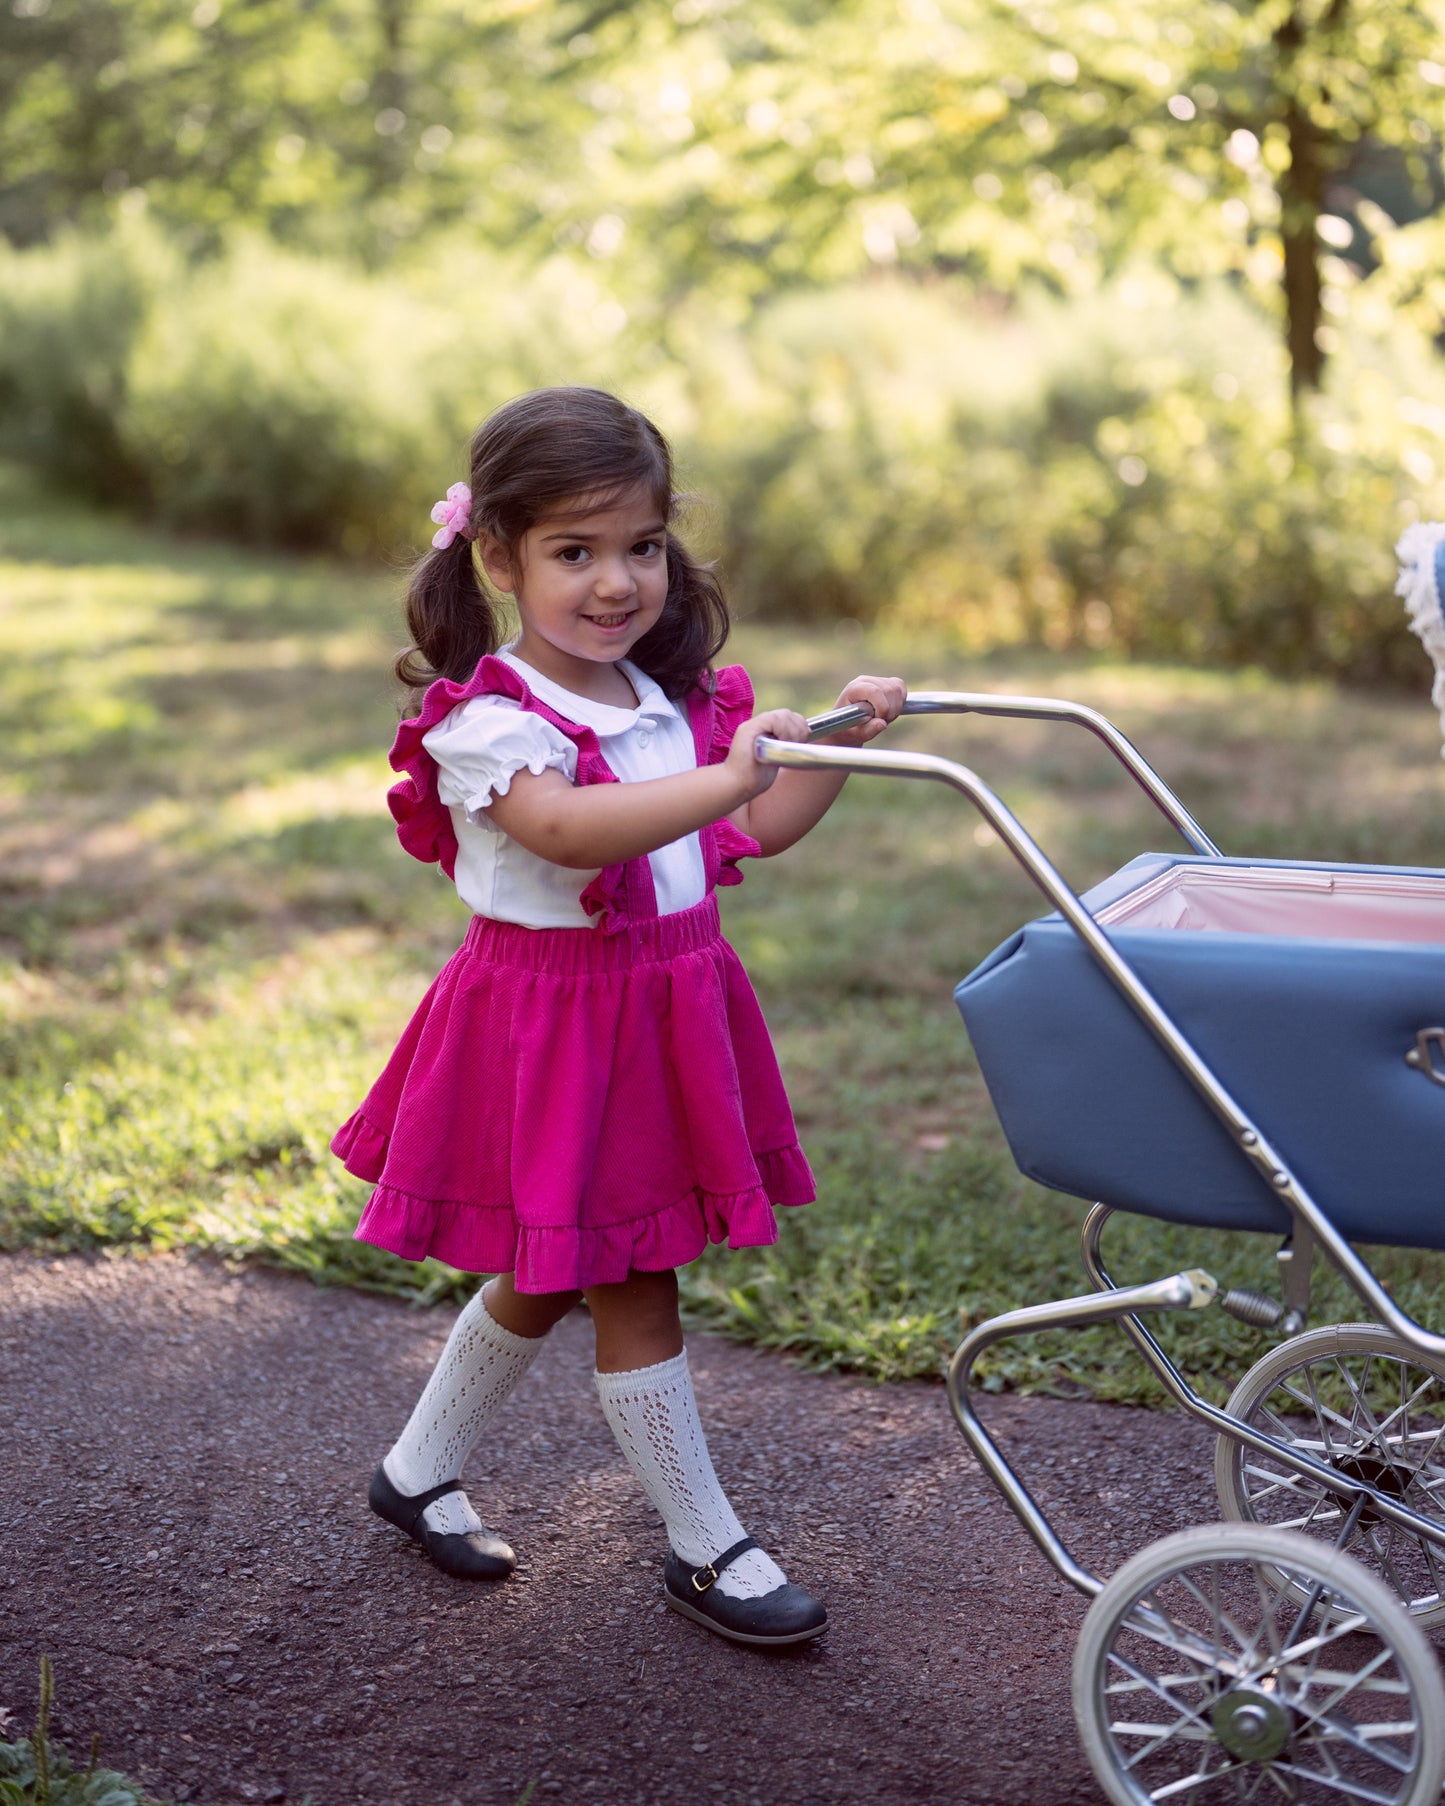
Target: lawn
x=209 y=938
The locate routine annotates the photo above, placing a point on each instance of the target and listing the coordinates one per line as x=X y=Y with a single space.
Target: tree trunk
x=1301 y=194
x=389 y=90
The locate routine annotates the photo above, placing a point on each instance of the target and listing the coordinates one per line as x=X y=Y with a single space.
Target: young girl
x=587 y=1095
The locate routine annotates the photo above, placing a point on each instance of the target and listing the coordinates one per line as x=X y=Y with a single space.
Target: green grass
x=209 y=939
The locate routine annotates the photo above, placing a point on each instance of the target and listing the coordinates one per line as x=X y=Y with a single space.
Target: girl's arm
x=603 y=824
x=800 y=799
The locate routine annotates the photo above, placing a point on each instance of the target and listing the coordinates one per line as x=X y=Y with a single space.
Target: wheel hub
x=1251 y=1723
x=1381 y=1475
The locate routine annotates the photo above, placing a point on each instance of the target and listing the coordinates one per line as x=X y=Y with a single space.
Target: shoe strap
x=417 y=1502
x=702 y=1578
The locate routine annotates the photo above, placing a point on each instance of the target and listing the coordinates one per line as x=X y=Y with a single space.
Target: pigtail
x=453 y=618
x=691 y=631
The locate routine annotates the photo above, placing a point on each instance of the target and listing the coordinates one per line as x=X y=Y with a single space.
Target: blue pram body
x=1311 y=1025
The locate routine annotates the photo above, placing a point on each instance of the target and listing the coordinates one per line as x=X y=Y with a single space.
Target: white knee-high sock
x=478 y=1368
x=653 y=1414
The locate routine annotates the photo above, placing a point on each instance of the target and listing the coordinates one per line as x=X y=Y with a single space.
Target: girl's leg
x=636 y=1322
x=493 y=1343
x=528 y=1314
x=647 y=1396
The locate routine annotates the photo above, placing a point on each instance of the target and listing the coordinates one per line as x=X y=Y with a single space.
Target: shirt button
x=644 y=738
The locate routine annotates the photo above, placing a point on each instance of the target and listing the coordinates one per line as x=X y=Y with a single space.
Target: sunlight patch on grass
x=352 y=787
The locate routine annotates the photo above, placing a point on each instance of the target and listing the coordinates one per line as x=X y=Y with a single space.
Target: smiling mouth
x=617 y=620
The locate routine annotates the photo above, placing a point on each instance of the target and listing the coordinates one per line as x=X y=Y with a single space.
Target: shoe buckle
x=699 y=1585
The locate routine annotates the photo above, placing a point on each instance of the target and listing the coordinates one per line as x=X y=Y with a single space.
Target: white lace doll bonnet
x=1421 y=552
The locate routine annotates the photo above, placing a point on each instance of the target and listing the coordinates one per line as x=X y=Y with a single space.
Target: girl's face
x=588 y=585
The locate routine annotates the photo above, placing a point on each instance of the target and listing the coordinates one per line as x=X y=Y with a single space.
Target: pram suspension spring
x=1251 y=1307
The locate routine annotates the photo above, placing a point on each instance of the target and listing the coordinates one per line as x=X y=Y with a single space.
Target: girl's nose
x=613 y=577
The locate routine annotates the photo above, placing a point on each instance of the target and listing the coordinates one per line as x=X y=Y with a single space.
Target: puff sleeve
x=481 y=745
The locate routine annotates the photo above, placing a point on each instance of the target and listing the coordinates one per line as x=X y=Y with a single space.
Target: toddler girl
x=587 y=1095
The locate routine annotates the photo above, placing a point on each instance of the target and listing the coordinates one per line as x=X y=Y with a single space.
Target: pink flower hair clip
x=453 y=515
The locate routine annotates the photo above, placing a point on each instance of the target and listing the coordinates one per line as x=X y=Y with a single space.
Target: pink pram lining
x=1315 y=905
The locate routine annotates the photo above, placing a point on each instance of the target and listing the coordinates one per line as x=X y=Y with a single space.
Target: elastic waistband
x=566 y=951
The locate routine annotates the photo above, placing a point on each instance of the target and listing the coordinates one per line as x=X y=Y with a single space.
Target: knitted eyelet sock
x=477 y=1371
x=653 y=1414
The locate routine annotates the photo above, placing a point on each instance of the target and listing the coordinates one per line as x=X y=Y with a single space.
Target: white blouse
x=481 y=744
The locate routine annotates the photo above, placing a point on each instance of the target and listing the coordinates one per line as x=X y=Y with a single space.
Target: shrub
x=1114 y=471
x=266 y=396
x=1203 y=524
x=846 y=447
x=280 y=400
x=70 y=313
x=1117 y=472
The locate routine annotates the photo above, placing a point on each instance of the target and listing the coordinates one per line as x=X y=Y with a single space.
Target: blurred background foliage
x=1095 y=324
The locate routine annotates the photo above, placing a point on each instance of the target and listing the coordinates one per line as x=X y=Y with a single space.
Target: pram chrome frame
x=1191 y=1290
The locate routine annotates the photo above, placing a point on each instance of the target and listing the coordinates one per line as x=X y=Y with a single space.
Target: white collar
x=602 y=717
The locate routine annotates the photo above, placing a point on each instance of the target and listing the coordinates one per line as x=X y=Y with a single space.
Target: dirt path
x=183 y=1458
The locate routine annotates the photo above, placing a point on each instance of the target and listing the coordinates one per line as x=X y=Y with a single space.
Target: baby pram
x=1279 y=1656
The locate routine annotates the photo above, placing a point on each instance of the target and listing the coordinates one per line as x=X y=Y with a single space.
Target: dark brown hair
x=543 y=454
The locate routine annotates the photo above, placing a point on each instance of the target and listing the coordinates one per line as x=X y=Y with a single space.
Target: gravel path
x=183 y=1459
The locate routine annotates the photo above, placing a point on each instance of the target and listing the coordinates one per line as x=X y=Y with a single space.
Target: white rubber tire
x=1275 y=1549
x=1340 y=1340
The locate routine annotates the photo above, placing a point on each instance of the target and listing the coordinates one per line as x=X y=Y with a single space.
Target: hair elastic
x=453 y=515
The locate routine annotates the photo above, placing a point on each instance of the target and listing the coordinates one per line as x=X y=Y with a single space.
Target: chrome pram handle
x=1030 y=708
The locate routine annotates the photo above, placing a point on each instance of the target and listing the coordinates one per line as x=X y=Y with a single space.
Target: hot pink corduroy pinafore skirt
x=569 y=1105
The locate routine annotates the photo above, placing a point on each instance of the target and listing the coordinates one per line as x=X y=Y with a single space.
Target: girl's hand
x=887 y=695
x=742 y=761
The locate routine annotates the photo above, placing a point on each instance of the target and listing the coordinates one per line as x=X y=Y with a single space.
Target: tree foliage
x=740 y=148
x=352 y=125
x=1061 y=141
x=752 y=145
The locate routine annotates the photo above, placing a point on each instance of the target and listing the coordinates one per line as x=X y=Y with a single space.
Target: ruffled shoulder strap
x=423 y=821
x=717 y=708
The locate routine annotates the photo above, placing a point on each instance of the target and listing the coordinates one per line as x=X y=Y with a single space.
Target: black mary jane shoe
x=469 y=1555
x=786 y=1615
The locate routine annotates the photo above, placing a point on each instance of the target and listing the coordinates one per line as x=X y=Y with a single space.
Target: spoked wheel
x=1360 y=1400
x=1201 y=1676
